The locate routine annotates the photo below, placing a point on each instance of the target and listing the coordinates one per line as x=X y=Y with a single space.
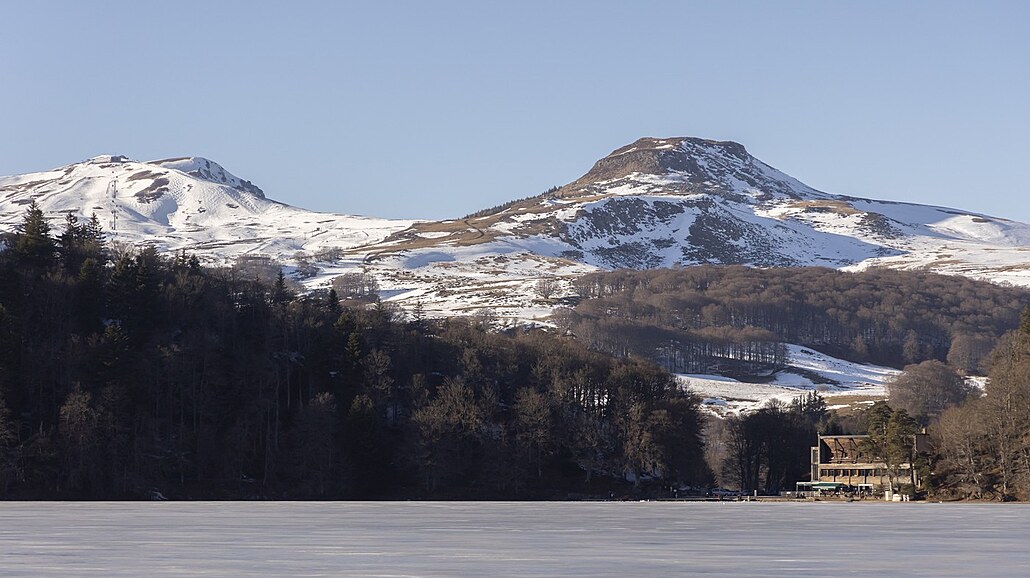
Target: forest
x=125 y=373
x=939 y=329
x=709 y=318
x=130 y=374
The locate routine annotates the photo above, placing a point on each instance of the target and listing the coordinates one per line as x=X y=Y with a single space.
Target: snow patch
x=837 y=377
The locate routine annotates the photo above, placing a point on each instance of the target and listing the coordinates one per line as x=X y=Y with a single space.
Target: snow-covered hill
x=653 y=203
x=682 y=201
x=835 y=379
x=184 y=203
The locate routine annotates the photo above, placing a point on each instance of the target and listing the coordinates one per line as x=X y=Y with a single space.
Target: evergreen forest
x=126 y=373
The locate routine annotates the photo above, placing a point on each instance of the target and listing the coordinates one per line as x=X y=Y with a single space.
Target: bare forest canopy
x=731 y=318
x=125 y=373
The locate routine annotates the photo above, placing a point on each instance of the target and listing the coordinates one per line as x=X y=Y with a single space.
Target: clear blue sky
x=437 y=109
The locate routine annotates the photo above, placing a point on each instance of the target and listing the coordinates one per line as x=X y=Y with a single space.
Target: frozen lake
x=512 y=539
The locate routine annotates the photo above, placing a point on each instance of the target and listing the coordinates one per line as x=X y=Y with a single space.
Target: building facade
x=846 y=462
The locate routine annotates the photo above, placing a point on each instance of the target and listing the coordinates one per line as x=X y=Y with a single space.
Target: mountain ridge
x=656 y=202
x=189 y=203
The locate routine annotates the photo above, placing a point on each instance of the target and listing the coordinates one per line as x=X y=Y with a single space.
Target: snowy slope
x=663 y=202
x=807 y=370
x=186 y=203
x=653 y=203
x=683 y=201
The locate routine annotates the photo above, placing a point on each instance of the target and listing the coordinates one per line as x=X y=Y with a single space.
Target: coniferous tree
x=33 y=243
x=280 y=292
x=69 y=240
x=890 y=440
x=332 y=302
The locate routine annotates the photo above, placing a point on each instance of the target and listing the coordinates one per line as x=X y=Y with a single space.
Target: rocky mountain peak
x=648 y=156
x=659 y=156
x=687 y=166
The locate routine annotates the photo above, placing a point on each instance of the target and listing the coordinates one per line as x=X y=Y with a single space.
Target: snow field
x=723 y=395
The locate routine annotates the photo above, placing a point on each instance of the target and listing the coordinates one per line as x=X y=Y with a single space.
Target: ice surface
x=168 y=539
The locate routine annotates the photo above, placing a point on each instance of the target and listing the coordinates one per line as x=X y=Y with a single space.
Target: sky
x=437 y=109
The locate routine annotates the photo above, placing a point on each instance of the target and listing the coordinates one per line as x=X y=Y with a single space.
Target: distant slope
x=184 y=203
x=653 y=203
x=835 y=379
x=657 y=202
x=683 y=201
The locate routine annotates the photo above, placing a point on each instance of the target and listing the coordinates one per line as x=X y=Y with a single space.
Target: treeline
x=705 y=318
x=980 y=435
x=767 y=450
x=131 y=374
x=983 y=444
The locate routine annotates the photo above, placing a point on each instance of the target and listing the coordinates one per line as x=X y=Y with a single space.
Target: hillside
x=653 y=203
x=187 y=203
x=685 y=201
x=153 y=376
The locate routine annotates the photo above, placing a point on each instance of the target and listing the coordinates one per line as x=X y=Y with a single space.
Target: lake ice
x=512 y=539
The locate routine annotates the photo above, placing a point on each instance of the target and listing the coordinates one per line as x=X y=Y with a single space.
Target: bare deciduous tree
x=547 y=287
x=926 y=389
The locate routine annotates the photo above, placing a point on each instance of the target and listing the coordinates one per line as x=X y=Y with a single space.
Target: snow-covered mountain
x=183 y=203
x=653 y=203
x=681 y=201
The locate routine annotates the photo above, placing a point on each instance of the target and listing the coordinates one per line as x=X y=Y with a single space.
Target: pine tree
x=133 y=290
x=877 y=418
x=418 y=315
x=353 y=351
x=890 y=439
x=186 y=262
x=92 y=240
x=900 y=429
x=73 y=243
x=33 y=244
x=280 y=293
x=90 y=293
x=92 y=229
x=332 y=302
x=69 y=239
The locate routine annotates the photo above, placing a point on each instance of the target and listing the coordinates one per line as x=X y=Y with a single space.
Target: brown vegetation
x=697 y=319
